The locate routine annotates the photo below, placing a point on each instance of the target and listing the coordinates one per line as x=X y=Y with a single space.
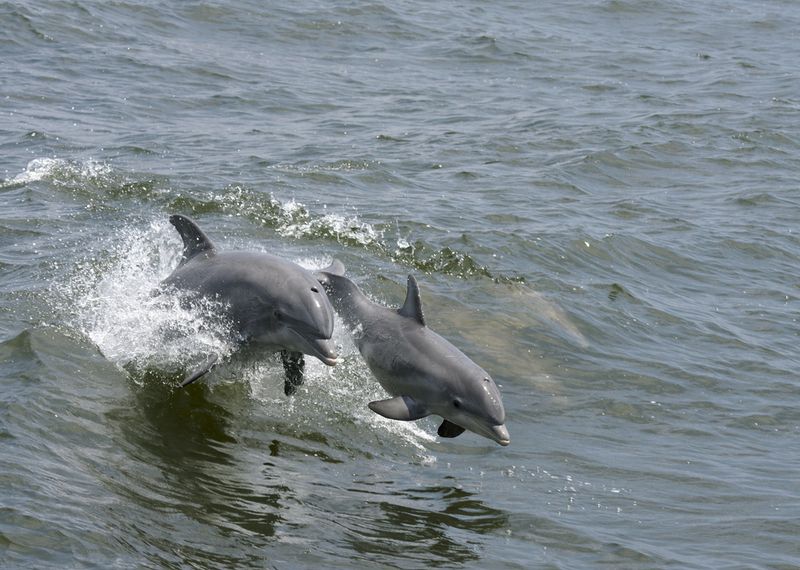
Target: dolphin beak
x=321 y=349
x=500 y=434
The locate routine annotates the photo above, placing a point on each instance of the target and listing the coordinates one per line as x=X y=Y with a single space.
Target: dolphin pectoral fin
x=200 y=371
x=449 y=429
x=403 y=408
x=293 y=365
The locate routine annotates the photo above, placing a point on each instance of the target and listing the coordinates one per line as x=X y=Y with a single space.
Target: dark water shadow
x=184 y=457
x=436 y=526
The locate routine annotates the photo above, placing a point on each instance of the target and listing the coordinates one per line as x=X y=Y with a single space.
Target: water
x=600 y=202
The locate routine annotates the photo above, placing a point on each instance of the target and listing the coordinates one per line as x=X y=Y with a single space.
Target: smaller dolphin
x=423 y=372
x=271 y=301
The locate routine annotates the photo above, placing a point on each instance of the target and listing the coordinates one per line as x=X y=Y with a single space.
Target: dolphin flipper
x=201 y=370
x=449 y=429
x=403 y=408
x=293 y=365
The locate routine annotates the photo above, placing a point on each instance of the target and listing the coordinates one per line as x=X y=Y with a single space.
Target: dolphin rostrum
x=422 y=371
x=271 y=301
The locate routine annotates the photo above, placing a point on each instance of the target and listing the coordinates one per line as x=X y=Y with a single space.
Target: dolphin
x=423 y=372
x=272 y=302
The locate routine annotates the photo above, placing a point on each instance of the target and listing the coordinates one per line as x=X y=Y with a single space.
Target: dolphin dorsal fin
x=412 y=308
x=194 y=240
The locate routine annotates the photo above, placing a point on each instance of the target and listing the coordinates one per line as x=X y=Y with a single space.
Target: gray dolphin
x=271 y=301
x=423 y=372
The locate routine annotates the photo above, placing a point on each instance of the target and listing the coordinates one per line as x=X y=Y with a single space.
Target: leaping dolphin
x=271 y=301
x=423 y=372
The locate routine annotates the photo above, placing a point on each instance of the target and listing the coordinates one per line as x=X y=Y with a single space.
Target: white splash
x=58 y=169
x=119 y=308
x=293 y=219
x=342 y=228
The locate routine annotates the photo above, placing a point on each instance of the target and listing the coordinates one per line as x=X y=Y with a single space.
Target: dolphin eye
x=278 y=315
x=457 y=403
x=315 y=290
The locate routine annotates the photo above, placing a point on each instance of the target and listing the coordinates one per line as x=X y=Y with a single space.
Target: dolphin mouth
x=321 y=349
x=500 y=434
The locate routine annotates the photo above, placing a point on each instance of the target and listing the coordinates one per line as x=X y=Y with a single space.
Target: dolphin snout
x=321 y=348
x=500 y=434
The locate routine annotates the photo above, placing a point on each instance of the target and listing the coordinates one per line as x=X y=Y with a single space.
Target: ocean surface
x=600 y=200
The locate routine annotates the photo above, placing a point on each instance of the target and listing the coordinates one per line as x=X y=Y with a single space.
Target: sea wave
x=102 y=185
x=60 y=172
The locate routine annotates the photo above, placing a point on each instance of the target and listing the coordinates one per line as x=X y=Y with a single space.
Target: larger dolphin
x=423 y=372
x=271 y=301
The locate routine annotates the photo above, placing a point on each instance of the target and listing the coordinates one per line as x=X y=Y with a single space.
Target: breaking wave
x=100 y=185
x=293 y=219
x=60 y=172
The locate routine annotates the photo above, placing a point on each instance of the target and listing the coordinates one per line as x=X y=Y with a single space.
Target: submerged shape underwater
x=598 y=200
